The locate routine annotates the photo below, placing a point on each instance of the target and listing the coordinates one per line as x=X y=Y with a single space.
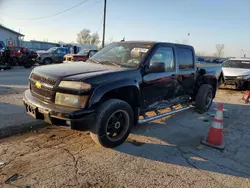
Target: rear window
x=185 y=58
x=245 y=64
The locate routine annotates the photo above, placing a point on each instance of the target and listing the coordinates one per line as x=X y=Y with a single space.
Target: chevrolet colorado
x=115 y=88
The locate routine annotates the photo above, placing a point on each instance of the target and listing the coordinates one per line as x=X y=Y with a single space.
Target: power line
x=55 y=14
x=100 y=25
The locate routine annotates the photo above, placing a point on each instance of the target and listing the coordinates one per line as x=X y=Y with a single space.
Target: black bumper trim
x=52 y=113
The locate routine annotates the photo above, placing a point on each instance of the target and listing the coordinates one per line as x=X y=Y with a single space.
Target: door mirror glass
x=156 y=67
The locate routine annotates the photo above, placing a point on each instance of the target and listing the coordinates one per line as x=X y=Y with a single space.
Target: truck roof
x=153 y=42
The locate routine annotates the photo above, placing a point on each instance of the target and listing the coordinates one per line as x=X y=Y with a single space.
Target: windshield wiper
x=94 y=61
x=110 y=62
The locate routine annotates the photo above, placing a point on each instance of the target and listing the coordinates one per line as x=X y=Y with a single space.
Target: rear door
x=185 y=69
x=157 y=87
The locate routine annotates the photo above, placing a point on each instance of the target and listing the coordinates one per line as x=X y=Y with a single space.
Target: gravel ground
x=165 y=153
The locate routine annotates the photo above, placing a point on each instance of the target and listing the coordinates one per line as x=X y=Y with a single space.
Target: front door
x=158 y=87
x=59 y=54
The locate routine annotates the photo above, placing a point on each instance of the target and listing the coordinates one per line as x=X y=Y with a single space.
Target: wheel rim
x=47 y=61
x=209 y=99
x=117 y=125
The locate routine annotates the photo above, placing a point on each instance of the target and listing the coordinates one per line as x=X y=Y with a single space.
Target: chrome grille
x=42 y=92
x=45 y=91
x=42 y=79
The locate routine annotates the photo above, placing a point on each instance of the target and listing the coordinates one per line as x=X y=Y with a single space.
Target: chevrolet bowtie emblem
x=38 y=85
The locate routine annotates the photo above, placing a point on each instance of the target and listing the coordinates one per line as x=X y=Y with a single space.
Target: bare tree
x=219 y=50
x=84 y=36
x=94 y=38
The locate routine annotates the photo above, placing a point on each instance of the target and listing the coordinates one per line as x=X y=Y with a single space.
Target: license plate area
x=31 y=110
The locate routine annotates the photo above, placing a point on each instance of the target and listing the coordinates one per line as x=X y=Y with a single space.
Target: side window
x=185 y=58
x=165 y=55
x=61 y=51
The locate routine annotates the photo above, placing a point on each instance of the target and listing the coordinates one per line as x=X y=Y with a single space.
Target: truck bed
x=212 y=69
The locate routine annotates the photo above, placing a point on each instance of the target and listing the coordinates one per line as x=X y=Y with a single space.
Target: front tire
x=47 y=61
x=114 y=123
x=204 y=98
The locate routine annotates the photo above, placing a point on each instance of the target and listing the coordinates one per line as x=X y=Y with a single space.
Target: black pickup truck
x=112 y=91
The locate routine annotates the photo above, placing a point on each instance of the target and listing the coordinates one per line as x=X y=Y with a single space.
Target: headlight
x=71 y=100
x=75 y=85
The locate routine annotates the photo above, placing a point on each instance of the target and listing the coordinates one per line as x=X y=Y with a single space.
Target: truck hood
x=44 y=53
x=74 y=71
x=235 y=71
x=75 y=55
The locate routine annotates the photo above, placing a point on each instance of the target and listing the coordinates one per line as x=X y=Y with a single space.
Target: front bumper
x=239 y=83
x=58 y=115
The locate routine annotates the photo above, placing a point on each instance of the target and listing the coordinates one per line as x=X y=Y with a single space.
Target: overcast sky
x=209 y=22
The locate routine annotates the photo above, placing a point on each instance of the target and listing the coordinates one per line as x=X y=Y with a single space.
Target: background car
x=237 y=72
x=83 y=55
x=52 y=55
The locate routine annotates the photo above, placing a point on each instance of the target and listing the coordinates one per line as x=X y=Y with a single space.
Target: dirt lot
x=159 y=154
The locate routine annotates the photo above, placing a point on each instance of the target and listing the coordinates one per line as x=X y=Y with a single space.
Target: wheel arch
x=126 y=90
x=122 y=89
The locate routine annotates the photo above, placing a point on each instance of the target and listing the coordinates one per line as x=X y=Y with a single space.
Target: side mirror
x=156 y=67
x=202 y=72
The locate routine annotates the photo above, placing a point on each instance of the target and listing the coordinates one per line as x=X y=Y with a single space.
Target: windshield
x=122 y=54
x=245 y=64
x=52 y=49
x=83 y=52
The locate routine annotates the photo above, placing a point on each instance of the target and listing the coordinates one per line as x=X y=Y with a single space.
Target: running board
x=147 y=119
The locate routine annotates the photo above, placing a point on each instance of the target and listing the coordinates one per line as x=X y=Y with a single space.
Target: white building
x=9 y=37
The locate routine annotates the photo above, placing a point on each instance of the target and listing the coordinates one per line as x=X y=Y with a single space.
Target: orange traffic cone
x=215 y=136
x=246 y=96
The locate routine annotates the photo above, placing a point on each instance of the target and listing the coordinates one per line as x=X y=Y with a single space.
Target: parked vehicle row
x=114 y=89
x=60 y=54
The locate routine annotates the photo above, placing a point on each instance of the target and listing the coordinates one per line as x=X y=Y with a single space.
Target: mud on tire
x=113 y=123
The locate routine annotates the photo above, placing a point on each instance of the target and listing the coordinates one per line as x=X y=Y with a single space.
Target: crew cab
x=83 y=55
x=114 y=89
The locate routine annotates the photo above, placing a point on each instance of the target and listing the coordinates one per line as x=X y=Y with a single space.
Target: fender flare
x=101 y=90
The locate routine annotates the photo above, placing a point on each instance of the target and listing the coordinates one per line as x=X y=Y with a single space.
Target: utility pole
x=104 y=23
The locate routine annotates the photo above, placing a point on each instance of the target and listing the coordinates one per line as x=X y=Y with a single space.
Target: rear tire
x=204 y=98
x=113 y=123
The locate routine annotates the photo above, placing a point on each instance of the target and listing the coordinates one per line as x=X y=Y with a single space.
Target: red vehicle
x=83 y=55
x=17 y=50
x=19 y=55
